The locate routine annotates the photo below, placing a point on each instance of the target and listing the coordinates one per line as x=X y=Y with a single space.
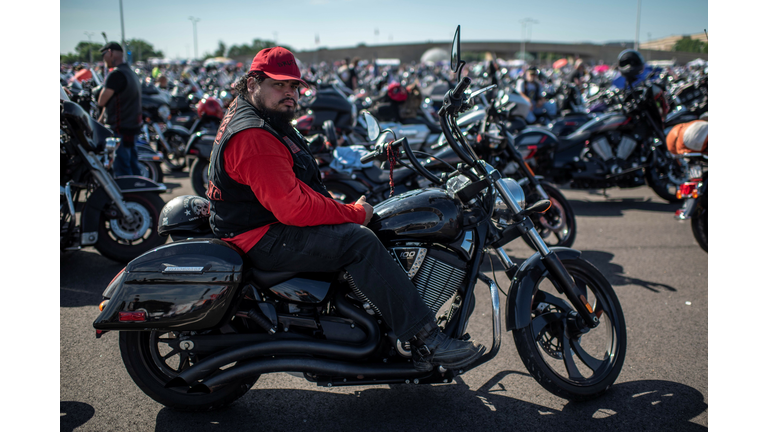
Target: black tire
x=541 y=344
x=665 y=175
x=699 y=226
x=152 y=361
x=116 y=238
x=151 y=170
x=176 y=160
x=198 y=175
x=342 y=193
x=556 y=226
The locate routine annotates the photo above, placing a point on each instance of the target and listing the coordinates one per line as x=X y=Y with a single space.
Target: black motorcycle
x=116 y=215
x=198 y=325
x=623 y=148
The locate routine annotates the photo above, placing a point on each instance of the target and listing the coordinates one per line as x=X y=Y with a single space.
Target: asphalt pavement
x=652 y=260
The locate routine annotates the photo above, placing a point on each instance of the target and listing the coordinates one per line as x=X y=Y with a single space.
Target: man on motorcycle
x=530 y=88
x=267 y=198
x=121 y=100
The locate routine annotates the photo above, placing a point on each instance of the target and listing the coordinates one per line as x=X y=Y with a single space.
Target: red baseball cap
x=277 y=63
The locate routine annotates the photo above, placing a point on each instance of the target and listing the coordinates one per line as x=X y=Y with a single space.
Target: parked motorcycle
x=117 y=215
x=198 y=325
x=622 y=148
x=688 y=142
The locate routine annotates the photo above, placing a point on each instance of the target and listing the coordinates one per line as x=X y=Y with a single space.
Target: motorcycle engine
x=614 y=145
x=437 y=275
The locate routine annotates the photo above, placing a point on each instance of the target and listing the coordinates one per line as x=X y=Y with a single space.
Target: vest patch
x=213 y=192
x=294 y=148
x=225 y=121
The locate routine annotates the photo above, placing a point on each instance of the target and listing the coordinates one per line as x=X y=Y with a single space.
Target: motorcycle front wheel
x=665 y=175
x=152 y=358
x=561 y=355
x=122 y=241
x=556 y=226
x=198 y=176
x=176 y=159
x=151 y=170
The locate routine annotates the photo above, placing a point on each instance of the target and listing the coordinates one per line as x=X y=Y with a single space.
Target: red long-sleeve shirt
x=254 y=157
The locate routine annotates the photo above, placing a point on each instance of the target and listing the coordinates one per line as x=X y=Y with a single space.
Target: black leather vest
x=124 y=108
x=234 y=207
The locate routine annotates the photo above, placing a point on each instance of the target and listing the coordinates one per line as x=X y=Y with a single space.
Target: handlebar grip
x=461 y=87
x=369 y=157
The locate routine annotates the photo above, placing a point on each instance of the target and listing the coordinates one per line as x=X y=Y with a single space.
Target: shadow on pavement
x=615 y=273
x=83 y=276
x=74 y=414
x=638 y=405
x=616 y=207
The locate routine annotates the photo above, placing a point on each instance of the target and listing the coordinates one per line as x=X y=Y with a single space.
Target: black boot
x=431 y=347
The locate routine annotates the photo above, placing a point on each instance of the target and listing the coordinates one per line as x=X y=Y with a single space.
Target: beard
x=280 y=120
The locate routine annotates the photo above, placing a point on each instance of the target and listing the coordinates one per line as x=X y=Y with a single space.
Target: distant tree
x=221 y=51
x=686 y=44
x=252 y=49
x=81 y=53
x=140 y=51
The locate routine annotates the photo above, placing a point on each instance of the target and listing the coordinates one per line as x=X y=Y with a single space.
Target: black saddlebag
x=187 y=285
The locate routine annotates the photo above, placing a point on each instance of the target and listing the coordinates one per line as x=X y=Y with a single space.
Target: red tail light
x=688 y=190
x=137 y=316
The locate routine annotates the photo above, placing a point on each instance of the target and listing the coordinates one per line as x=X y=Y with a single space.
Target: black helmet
x=631 y=63
x=185 y=215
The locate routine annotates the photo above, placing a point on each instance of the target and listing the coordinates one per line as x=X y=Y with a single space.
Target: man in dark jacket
x=121 y=100
x=267 y=198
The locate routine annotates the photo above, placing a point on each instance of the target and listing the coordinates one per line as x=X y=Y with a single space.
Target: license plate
x=694 y=172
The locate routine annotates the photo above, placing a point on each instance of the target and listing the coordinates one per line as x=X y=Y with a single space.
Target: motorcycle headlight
x=500 y=210
x=164 y=112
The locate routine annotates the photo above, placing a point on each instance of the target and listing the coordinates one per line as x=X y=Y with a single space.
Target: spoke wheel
x=154 y=358
x=123 y=241
x=665 y=175
x=176 y=159
x=567 y=359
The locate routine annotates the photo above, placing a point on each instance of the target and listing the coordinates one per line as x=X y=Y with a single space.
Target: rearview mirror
x=374 y=130
x=455 y=55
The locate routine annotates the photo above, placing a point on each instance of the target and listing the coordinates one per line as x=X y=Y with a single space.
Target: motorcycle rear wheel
x=123 y=242
x=556 y=226
x=548 y=344
x=699 y=227
x=153 y=358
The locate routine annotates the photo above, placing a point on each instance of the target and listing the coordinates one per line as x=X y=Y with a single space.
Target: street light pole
x=526 y=22
x=637 y=27
x=194 y=31
x=90 y=48
x=122 y=25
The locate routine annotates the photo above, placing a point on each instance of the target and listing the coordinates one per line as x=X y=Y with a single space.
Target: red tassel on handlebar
x=391 y=159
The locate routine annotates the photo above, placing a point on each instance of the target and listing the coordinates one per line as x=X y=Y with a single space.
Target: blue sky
x=166 y=24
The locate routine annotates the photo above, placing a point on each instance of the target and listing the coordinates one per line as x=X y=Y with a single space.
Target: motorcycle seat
x=266 y=279
x=379 y=176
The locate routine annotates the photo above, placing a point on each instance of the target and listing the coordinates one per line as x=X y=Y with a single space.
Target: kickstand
x=605 y=195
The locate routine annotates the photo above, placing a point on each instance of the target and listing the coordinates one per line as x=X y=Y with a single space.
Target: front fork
x=108 y=183
x=564 y=281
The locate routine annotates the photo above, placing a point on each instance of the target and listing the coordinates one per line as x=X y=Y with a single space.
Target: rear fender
x=200 y=145
x=524 y=284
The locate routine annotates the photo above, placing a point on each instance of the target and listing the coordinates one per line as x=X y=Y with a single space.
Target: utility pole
x=122 y=25
x=637 y=28
x=90 y=48
x=194 y=32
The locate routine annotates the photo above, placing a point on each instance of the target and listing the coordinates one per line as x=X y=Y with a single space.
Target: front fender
x=524 y=283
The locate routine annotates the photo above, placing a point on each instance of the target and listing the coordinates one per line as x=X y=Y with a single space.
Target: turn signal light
x=102 y=305
x=137 y=316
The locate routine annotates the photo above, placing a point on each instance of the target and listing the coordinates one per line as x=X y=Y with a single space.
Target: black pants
x=355 y=248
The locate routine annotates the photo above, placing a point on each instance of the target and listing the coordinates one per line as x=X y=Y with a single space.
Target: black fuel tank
x=429 y=214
